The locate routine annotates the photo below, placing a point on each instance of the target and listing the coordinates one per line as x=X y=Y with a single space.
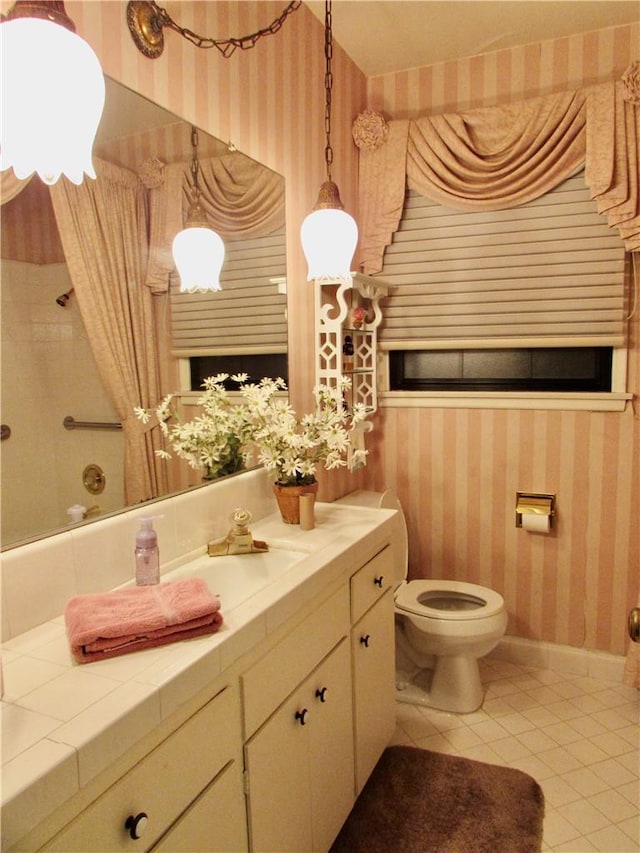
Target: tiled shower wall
x=48 y=372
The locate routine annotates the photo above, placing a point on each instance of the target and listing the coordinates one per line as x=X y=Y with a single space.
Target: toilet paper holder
x=534 y=503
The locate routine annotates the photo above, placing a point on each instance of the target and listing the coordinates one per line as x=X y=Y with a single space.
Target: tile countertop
x=64 y=723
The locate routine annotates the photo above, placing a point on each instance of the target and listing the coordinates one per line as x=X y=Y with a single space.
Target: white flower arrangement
x=293 y=447
x=215 y=441
x=222 y=438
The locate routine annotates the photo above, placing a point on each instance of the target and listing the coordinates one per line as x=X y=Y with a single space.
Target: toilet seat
x=480 y=602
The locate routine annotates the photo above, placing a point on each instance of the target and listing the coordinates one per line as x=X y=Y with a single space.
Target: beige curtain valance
x=240 y=197
x=503 y=156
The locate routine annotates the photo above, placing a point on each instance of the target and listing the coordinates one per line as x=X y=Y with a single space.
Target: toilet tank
x=386 y=500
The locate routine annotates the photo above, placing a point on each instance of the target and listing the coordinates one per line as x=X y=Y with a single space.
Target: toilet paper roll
x=535 y=523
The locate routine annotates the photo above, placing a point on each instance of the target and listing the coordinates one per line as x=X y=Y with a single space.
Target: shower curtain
x=103 y=226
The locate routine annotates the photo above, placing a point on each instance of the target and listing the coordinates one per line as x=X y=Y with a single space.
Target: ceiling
x=393 y=35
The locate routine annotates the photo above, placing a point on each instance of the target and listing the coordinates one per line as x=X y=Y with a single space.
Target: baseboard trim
x=567 y=659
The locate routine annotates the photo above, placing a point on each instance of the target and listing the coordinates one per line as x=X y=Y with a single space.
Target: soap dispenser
x=147 y=554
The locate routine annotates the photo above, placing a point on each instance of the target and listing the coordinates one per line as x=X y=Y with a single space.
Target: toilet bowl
x=442 y=628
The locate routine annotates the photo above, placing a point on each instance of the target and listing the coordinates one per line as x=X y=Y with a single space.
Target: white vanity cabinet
x=373 y=658
x=299 y=760
x=307 y=759
x=270 y=753
x=194 y=773
x=300 y=763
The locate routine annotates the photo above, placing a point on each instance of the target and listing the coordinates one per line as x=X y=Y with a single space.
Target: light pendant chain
x=226 y=46
x=328 y=83
x=194 y=163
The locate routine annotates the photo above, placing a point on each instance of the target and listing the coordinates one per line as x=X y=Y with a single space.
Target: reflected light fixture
x=52 y=94
x=329 y=235
x=198 y=251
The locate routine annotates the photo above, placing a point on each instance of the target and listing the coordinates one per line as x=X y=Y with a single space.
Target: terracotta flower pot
x=288 y=498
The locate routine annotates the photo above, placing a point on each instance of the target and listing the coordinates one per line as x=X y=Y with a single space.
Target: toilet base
x=453 y=685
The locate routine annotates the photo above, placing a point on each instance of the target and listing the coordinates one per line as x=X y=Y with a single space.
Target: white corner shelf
x=336 y=300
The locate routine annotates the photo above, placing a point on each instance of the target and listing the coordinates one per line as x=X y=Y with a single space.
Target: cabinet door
x=277 y=765
x=374 y=695
x=331 y=746
x=300 y=763
x=215 y=823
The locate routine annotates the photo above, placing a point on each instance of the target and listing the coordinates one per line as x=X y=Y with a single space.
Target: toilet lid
x=451 y=600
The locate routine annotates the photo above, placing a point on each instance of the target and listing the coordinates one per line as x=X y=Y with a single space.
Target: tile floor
x=577 y=736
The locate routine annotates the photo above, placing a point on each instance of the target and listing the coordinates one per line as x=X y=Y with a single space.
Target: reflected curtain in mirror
x=103 y=228
x=10 y=186
x=241 y=198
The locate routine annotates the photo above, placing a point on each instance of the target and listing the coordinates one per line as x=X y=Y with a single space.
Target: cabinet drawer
x=215 y=823
x=271 y=679
x=162 y=785
x=369 y=583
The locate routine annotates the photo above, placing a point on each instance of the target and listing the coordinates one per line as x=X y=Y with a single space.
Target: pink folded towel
x=104 y=625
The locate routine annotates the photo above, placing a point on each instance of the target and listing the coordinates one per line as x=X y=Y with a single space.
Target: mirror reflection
x=93 y=322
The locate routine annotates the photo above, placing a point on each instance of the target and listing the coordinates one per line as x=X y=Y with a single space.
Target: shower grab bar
x=71 y=423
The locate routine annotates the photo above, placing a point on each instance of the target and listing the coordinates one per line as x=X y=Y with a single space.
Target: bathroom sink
x=235 y=578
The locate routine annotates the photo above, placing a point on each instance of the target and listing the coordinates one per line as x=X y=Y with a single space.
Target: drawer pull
x=137 y=825
x=320 y=693
x=378 y=581
x=300 y=715
x=364 y=641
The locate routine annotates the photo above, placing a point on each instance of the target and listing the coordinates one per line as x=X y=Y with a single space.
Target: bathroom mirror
x=49 y=371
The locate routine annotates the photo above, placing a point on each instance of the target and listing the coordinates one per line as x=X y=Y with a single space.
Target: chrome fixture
x=64 y=298
x=94 y=481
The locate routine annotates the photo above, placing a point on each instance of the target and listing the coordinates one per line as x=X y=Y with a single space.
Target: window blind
x=548 y=273
x=248 y=315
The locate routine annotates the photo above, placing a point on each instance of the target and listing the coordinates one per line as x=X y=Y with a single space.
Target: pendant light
x=329 y=235
x=198 y=252
x=52 y=94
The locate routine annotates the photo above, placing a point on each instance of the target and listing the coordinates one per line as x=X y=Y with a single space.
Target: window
x=530 y=299
x=547 y=273
x=584 y=369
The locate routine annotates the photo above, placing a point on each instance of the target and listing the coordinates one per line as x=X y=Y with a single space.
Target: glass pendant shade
x=52 y=100
x=329 y=237
x=198 y=253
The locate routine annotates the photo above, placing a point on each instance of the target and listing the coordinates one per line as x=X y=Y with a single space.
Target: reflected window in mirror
x=273 y=366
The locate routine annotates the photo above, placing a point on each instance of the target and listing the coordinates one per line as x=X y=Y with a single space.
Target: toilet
x=442 y=628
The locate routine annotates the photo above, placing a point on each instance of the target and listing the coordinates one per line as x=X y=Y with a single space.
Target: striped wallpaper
x=457 y=470
x=267 y=101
